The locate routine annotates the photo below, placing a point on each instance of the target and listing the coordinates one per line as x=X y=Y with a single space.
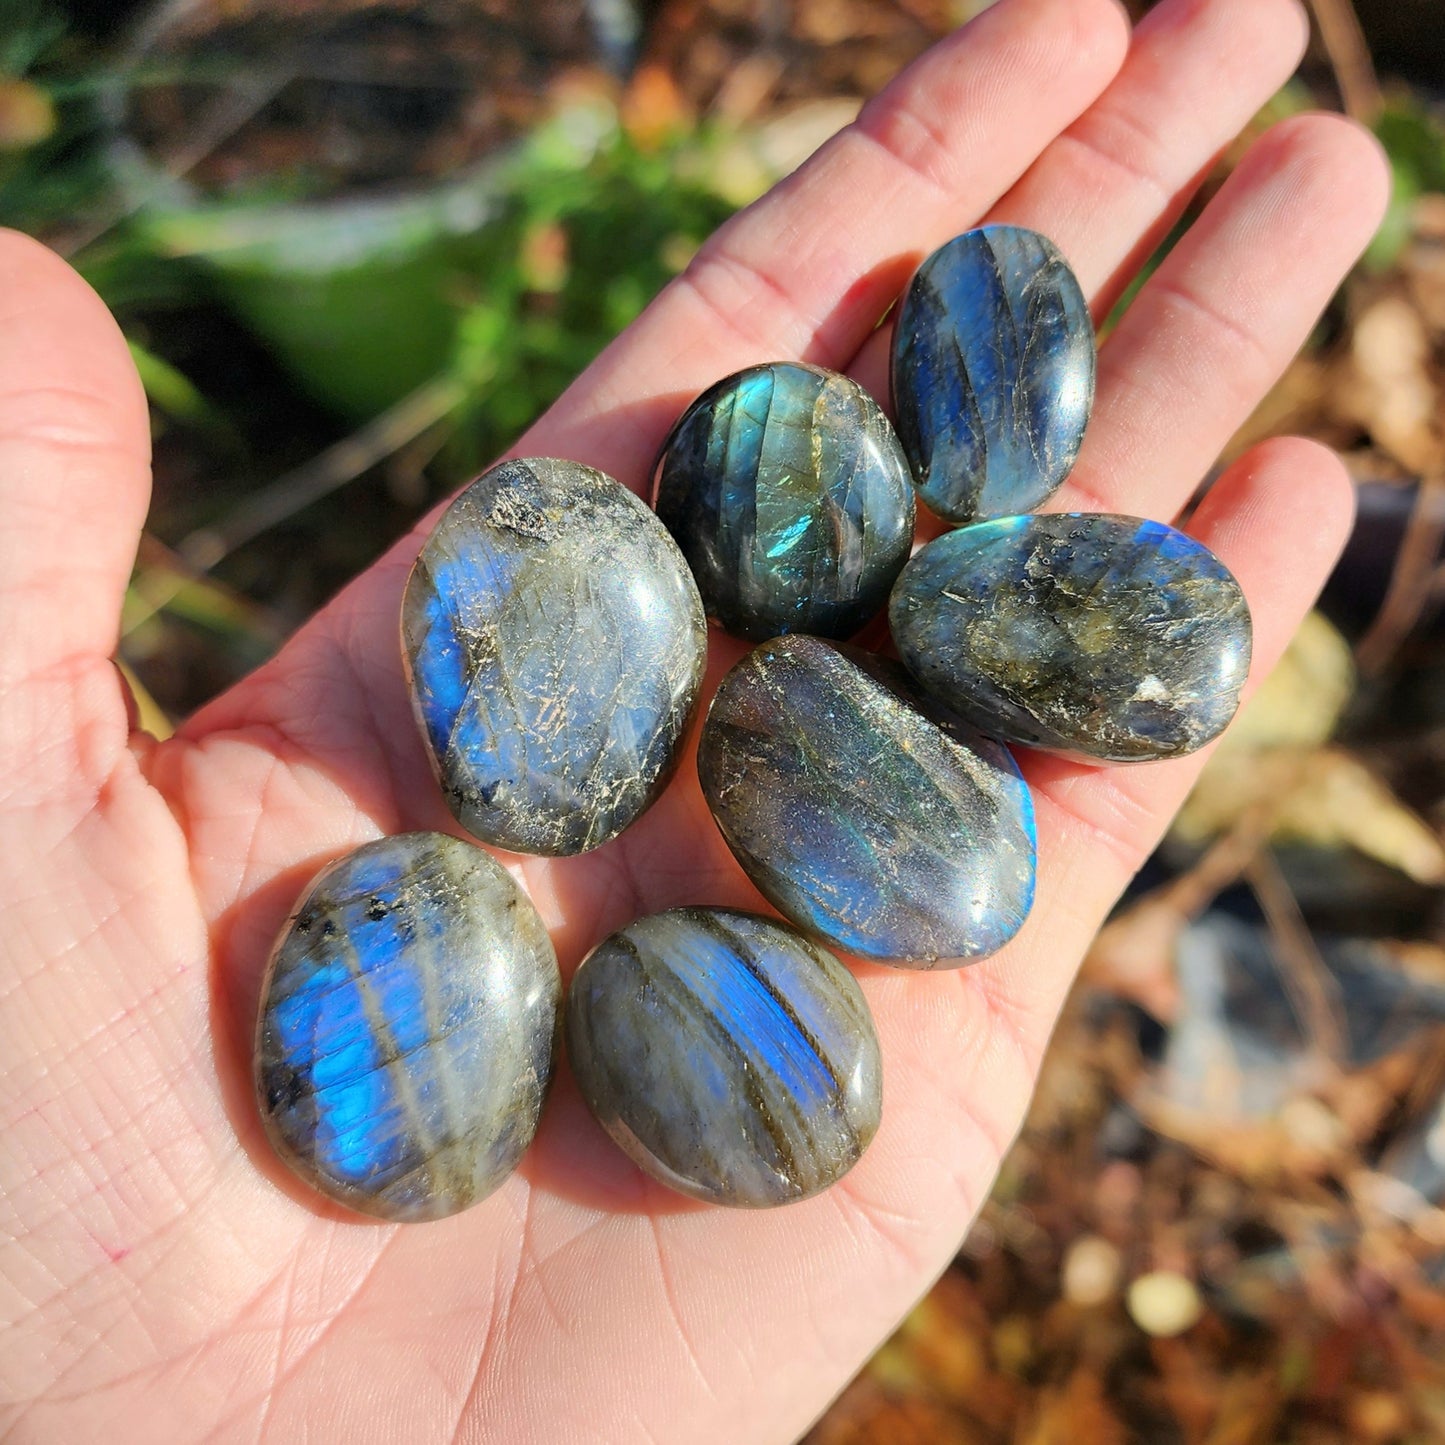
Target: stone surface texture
x=870 y=817
x=791 y=499
x=554 y=642
x=727 y=1056
x=408 y=1028
x=1103 y=637
x=993 y=373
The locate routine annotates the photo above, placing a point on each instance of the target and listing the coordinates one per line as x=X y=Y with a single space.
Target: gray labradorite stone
x=408 y=1028
x=1098 y=636
x=868 y=816
x=993 y=373
x=791 y=499
x=727 y=1056
x=554 y=642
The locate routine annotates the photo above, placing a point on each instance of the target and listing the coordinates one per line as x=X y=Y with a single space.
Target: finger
x=1217 y=324
x=74 y=485
x=1278 y=519
x=808 y=271
x=1108 y=189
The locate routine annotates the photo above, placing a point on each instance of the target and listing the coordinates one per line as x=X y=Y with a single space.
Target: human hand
x=162 y=1278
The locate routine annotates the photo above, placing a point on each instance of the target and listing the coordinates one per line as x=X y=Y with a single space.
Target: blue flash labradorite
x=408 y=1028
x=993 y=373
x=790 y=497
x=1101 y=637
x=554 y=642
x=727 y=1056
x=868 y=816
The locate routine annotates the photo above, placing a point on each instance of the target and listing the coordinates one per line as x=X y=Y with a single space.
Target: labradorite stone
x=993 y=373
x=791 y=499
x=408 y=1028
x=554 y=642
x=727 y=1056
x=1099 y=636
x=868 y=816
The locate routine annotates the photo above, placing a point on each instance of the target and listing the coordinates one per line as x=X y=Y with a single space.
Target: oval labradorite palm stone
x=727 y=1056
x=791 y=499
x=1102 y=637
x=993 y=373
x=408 y=1028
x=868 y=816
x=554 y=642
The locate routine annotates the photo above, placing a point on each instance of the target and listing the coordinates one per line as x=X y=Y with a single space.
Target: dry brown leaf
x=1391 y=392
x=1327 y=798
x=1078 y=1414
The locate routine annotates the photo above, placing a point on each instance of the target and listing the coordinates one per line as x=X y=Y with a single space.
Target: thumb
x=74 y=486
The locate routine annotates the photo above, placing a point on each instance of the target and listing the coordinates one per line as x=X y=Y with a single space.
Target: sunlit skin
x=160 y=1277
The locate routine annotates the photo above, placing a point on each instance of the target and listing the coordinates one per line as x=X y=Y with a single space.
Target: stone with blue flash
x=868 y=816
x=554 y=642
x=1102 y=637
x=993 y=369
x=727 y=1056
x=791 y=499
x=408 y=1028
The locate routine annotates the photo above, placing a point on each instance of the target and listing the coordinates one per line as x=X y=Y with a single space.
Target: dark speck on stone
x=1102 y=637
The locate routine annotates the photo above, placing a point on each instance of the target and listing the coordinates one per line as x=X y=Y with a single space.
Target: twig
x=1306 y=979
x=1349 y=54
x=1412 y=581
x=324 y=473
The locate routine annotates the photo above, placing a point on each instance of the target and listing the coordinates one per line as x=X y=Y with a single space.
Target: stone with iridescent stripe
x=1098 y=636
x=408 y=1028
x=554 y=641
x=728 y=1057
x=790 y=497
x=993 y=373
x=873 y=819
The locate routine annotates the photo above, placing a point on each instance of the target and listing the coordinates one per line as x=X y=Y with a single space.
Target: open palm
x=160 y=1278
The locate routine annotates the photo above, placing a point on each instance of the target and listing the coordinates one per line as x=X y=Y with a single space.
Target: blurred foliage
x=565 y=241
x=1413 y=135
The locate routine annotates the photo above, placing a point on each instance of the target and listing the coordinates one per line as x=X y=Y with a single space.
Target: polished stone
x=791 y=499
x=727 y=1056
x=1098 y=636
x=993 y=373
x=868 y=816
x=554 y=641
x=408 y=1028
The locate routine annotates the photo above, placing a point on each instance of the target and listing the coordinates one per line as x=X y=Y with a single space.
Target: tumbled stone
x=554 y=642
x=871 y=818
x=727 y=1056
x=408 y=1028
x=1102 y=637
x=791 y=499
x=993 y=373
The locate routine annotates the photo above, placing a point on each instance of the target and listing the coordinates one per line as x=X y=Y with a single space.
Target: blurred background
x=357 y=245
